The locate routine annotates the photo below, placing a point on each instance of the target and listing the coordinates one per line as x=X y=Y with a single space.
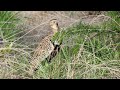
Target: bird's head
x=54 y=25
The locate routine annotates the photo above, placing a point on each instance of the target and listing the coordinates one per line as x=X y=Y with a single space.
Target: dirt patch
x=35 y=23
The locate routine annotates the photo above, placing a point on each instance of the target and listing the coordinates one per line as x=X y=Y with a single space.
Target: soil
x=35 y=23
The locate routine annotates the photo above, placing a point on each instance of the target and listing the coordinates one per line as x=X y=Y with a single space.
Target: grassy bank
x=86 y=51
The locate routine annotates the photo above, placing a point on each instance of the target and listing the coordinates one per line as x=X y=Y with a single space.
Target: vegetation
x=86 y=51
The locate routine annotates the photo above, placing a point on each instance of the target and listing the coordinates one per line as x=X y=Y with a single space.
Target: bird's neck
x=55 y=31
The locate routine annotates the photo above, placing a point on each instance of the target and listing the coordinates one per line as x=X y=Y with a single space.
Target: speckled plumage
x=44 y=48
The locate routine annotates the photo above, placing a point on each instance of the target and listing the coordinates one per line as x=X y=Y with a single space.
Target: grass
x=86 y=52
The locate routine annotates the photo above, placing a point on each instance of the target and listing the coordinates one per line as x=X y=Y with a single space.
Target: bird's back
x=45 y=47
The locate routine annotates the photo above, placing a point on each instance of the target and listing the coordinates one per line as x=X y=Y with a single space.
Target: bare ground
x=35 y=23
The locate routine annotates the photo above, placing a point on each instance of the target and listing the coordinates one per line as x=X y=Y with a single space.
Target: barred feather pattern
x=44 y=48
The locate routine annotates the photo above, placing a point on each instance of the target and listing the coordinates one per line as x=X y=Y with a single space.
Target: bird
x=44 y=48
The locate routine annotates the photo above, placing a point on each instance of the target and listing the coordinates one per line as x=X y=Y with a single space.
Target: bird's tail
x=34 y=63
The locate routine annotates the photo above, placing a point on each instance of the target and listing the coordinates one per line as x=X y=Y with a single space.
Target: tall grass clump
x=10 y=51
